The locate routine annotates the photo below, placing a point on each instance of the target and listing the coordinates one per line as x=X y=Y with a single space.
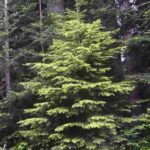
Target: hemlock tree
x=73 y=84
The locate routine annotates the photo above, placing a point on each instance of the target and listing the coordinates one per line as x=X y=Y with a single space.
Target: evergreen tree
x=74 y=86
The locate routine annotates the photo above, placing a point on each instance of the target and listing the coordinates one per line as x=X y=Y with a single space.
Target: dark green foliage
x=104 y=10
x=24 y=40
x=137 y=133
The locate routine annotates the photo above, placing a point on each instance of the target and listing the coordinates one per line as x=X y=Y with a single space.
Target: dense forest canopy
x=74 y=74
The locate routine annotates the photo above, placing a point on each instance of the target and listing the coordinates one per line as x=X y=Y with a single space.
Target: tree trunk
x=56 y=6
x=7 y=67
x=41 y=23
x=59 y=6
x=124 y=6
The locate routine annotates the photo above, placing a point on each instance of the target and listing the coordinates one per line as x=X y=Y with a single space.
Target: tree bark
x=41 y=23
x=124 y=6
x=59 y=6
x=7 y=57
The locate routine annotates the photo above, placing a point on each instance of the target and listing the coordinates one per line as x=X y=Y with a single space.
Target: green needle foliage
x=25 y=44
x=73 y=86
x=136 y=130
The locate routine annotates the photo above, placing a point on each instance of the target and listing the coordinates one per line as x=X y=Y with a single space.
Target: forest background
x=74 y=74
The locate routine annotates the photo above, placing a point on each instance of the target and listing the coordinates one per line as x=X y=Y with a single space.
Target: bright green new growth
x=73 y=83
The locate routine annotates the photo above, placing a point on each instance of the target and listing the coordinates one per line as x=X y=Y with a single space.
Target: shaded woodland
x=74 y=74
